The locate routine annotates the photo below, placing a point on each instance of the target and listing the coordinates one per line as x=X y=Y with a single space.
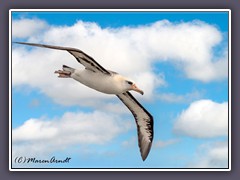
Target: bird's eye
x=129 y=82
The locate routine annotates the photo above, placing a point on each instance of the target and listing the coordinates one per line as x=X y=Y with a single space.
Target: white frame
x=120 y=169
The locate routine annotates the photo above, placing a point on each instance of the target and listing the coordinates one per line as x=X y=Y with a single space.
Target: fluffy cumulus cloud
x=48 y=135
x=23 y=28
x=211 y=155
x=163 y=144
x=180 y=98
x=203 y=119
x=131 y=51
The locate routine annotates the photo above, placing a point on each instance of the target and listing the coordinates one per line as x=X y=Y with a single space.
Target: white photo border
x=119 y=169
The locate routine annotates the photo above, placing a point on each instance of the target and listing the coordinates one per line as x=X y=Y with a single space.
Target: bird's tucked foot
x=63 y=74
x=66 y=72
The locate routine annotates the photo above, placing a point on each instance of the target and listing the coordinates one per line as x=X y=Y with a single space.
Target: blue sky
x=178 y=58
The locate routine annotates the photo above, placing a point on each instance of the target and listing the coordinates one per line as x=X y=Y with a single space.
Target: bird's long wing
x=80 y=56
x=144 y=121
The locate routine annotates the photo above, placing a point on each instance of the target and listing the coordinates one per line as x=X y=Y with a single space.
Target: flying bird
x=97 y=77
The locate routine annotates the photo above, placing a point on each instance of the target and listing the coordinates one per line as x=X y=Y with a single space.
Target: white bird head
x=130 y=85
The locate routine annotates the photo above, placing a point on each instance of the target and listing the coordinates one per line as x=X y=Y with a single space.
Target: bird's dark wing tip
x=30 y=44
x=145 y=152
x=16 y=42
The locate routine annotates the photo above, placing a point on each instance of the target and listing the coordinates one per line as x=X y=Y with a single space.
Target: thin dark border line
x=134 y=169
x=228 y=91
x=120 y=168
x=210 y=10
x=229 y=86
x=11 y=93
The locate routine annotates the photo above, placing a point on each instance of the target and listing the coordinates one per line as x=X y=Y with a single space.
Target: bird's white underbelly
x=98 y=81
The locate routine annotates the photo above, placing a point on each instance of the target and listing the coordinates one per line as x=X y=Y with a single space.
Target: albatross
x=97 y=77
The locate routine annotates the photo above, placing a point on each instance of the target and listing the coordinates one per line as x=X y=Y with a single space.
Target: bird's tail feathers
x=68 y=69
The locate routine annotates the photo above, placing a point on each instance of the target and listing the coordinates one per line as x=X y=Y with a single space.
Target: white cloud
x=23 y=28
x=114 y=107
x=130 y=142
x=131 y=51
x=203 y=119
x=48 y=135
x=213 y=155
x=162 y=144
x=176 y=98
